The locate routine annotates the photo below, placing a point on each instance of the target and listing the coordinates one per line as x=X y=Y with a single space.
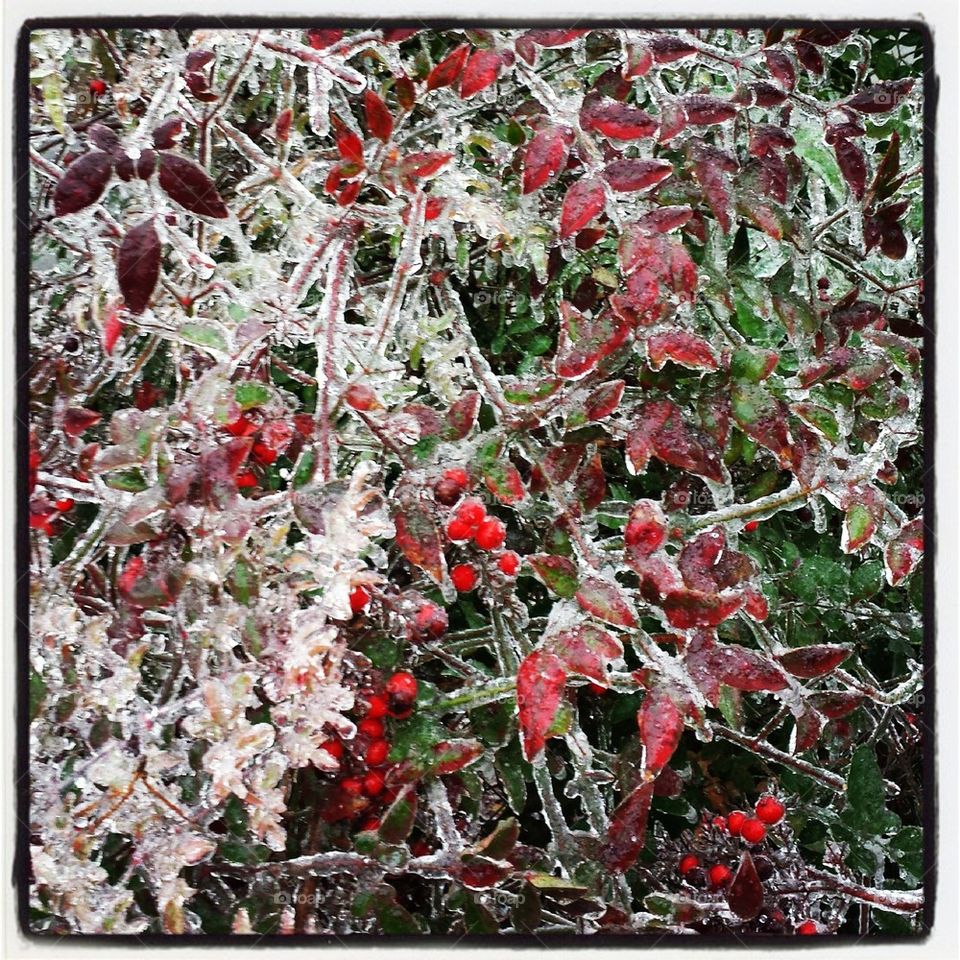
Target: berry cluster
x=471 y=522
x=364 y=760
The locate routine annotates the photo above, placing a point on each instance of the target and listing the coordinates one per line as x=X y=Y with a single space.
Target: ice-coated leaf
x=558 y=574
x=669 y=49
x=379 y=120
x=462 y=414
x=398 y=821
x=540 y=684
x=584 y=342
x=616 y=120
x=418 y=536
x=630 y=175
x=604 y=599
x=661 y=725
x=745 y=893
x=903 y=552
x=813 y=661
x=190 y=186
x=881 y=97
x=138 y=265
x=694 y=608
x=604 y=400
x=708 y=564
x=446 y=72
x=545 y=156
x=852 y=165
x=761 y=416
x=481 y=70
x=583 y=201
x=660 y=431
x=681 y=347
x=586 y=650
x=82 y=183
x=627 y=833
x=704 y=110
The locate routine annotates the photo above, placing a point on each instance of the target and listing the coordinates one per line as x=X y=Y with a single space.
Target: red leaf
x=586 y=650
x=399 y=34
x=481 y=70
x=695 y=608
x=349 y=144
x=138 y=266
x=809 y=56
x=405 y=91
x=281 y=128
x=616 y=120
x=583 y=201
x=604 y=400
x=903 y=552
x=462 y=415
x=77 y=420
x=503 y=480
x=447 y=70
x=481 y=873
x=584 y=342
x=418 y=537
x=561 y=461
x=835 y=704
x=673 y=120
x=707 y=563
x=189 y=185
x=554 y=38
x=710 y=167
x=661 y=432
x=806 y=732
x=781 y=66
x=449 y=756
x=852 y=165
x=540 y=684
x=813 y=661
x=746 y=670
x=661 y=725
x=703 y=110
x=604 y=599
x=425 y=164
x=681 y=347
x=321 y=39
x=165 y=136
x=669 y=49
x=626 y=176
x=82 y=183
x=545 y=156
x=745 y=893
x=646 y=528
x=665 y=219
x=379 y=120
x=627 y=832
x=882 y=97
x=591 y=483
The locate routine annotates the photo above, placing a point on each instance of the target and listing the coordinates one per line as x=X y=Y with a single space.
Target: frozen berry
x=769 y=809
x=371 y=727
x=263 y=453
x=429 y=623
x=446 y=492
x=359 y=598
x=333 y=747
x=457 y=530
x=509 y=563
x=720 y=823
x=376 y=754
x=808 y=928
x=64 y=505
x=373 y=783
x=735 y=821
x=763 y=866
x=688 y=862
x=490 y=534
x=464 y=577
x=352 y=786
x=753 y=831
x=472 y=512
x=457 y=475
x=750 y=526
x=98 y=87
x=376 y=706
x=402 y=685
x=361 y=397
x=719 y=875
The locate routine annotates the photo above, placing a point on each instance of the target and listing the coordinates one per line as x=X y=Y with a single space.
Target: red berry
x=688 y=862
x=472 y=512
x=359 y=598
x=373 y=783
x=720 y=823
x=246 y=479
x=457 y=475
x=769 y=809
x=371 y=727
x=361 y=397
x=242 y=427
x=509 y=563
x=735 y=822
x=376 y=706
x=429 y=623
x=490 y=534
x=264 y=453
x=402 y=685
x=333 y=747
x=99 y=87
x=352 y=785
x=750 y=526
x=753 y=831
x=376 y=754
x=808 y=928
x=719 y=875
x=64 y=505
x=464 y=577
x=457 y=530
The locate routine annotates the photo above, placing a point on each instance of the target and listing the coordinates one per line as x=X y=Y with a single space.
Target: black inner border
x=21 y=867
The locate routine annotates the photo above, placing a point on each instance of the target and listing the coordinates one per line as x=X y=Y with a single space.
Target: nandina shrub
x=468 y=469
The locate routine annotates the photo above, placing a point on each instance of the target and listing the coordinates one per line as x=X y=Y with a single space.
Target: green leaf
x=202 y=335
x=866 y=810
x=820 y=159
x=250 y=394
x=556 y=573
x=398 y=820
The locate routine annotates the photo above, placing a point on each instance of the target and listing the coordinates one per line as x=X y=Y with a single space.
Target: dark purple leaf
x=138 y=265
x=83 y=183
